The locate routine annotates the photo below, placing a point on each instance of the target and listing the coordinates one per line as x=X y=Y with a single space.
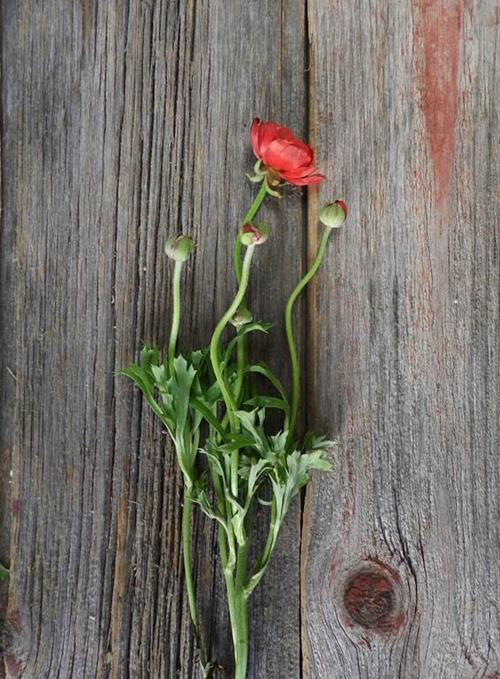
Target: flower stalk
x=250 y=215
x=292 y=347
x=219 y=329
x=176 y=313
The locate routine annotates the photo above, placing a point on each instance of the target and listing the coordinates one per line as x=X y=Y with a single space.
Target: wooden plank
x=7 y=387
x=401 y=545
x=123 y=123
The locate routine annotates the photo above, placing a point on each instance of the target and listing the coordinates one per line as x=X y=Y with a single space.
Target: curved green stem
x=241 y=341
x=176 y=313
x=252 y=211
x=216 y=365
x=241 y=352
x=289 y=333
x=219 y=329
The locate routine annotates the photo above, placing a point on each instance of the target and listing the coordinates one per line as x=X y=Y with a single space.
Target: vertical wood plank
x=7 y=379
x=122 y=123
x=401 y=546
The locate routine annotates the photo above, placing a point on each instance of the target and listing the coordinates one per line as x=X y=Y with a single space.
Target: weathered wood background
x=123 y=122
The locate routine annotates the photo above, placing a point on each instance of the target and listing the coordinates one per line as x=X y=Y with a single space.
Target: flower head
x=179 y=247
x=333 y=214
x=282 y=155
x=254 y=234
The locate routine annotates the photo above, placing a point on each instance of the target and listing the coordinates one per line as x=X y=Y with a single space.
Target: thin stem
x=239 y=619
x=214 y=344
x=252 y=211
x=240 y=367
x=240 y=631
x=242 y=341
x=176 y=313
x=289 y=333
x=188 y=503
x=188 y=575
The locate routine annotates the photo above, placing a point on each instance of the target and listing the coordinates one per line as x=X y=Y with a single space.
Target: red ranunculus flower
x=283 y=156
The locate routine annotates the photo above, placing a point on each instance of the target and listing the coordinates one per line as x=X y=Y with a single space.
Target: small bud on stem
x=242 y=317
x=254 y=234
x=333 y=214
x=179 y=247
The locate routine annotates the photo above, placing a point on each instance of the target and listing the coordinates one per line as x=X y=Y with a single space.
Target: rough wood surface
x=122 y=123
x=401 y=544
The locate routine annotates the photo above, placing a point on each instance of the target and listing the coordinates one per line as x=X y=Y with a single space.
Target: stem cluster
x=214 y=401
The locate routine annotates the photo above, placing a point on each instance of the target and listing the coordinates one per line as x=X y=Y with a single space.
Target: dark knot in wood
x=372 y=598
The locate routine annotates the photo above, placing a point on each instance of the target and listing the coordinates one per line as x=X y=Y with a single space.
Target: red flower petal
x=301 y=172
x=305 y=181
x=254 y=136
x=287 y=155
x=268 y=133
x=342 y=205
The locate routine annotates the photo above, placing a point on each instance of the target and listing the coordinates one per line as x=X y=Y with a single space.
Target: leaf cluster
x=186 y=397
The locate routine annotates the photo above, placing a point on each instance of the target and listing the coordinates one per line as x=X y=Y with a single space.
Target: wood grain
x=122 y=123
x=126 y=121
x=401 y=544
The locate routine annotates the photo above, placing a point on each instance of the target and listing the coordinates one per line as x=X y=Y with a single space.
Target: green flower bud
x=242 y=317
x=333 y=214
x=179 y=247
x=254 y=234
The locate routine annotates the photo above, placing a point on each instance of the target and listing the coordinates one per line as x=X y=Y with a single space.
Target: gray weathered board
x=123 y=122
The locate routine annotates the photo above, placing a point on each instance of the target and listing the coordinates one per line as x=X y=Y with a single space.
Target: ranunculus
x=282 y=155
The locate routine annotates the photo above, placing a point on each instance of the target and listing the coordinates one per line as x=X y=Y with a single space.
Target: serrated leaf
x=143 y=380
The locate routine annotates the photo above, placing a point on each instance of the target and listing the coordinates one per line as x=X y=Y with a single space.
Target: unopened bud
x=179 y=247
x=254 y=234
x=333 y=214
x=242 y=317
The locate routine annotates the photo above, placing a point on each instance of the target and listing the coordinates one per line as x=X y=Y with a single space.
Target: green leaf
x=144 y=380
x=215 y=460
x=180 y=389
x=269 y=402
x=262 y=369
x=199 y=495
x=257 y=471
x=256 y=326
x=313 y=442
x=236 y=442
x=252 y=423
x=208 y=415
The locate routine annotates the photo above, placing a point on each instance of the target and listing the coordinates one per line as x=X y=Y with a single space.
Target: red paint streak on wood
x=439 y=27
